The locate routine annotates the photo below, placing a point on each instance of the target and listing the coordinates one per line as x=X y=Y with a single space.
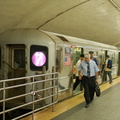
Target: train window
x=96 y=54
x=19 y=58
x=112 y=56
x=116 y=57
x=38 y=57
x=103 y=55
x=76 y=55
x=58 y=59
x=0 y=57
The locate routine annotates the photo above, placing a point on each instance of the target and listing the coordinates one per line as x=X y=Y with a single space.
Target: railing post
x=3 y=100
x=57 y=85
x=53 y=76
x=44 y=83
x=33 y=107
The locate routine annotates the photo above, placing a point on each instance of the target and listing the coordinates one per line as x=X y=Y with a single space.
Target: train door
x=102 y=64
x=0 y=63
x=59 y=65
x=114 y=57
x=64 y=68
x=17 y=61
x=76 y=57
x=16 y=69
x=119 y=63
x=101 y=59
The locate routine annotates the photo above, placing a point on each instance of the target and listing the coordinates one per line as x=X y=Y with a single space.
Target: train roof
x=27 y=36
x=83 y=42
x=24 y=36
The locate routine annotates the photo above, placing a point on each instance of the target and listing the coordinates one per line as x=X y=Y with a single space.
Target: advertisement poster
x=67 y=61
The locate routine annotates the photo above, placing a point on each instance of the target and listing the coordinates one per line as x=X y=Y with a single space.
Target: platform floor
x=105 y=107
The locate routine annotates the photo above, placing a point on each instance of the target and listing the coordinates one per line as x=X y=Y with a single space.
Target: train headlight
x=38 y=59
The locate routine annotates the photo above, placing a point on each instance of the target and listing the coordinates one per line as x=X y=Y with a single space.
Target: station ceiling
x=95 y=20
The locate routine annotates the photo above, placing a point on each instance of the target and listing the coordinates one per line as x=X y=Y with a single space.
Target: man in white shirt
x=89 y=71
x=77 y=81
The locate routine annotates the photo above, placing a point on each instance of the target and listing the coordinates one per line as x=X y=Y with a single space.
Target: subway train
x=19 y=48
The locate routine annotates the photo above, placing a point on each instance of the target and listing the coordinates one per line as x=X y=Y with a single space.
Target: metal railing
x=31 y=94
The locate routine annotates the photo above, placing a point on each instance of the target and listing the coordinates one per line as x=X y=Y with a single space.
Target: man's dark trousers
x=77 y=82
x=89 y=88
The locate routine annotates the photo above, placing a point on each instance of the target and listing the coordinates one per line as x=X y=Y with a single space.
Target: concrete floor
x=105 y=107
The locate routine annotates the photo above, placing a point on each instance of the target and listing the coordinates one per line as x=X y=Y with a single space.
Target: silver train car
x=18 y=49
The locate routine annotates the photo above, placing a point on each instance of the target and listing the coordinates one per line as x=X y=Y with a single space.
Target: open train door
x=76 y=56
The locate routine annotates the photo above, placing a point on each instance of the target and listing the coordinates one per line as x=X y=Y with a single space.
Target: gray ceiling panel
x=96 y=20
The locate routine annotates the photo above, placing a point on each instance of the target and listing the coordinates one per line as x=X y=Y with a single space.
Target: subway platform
x=105 y=107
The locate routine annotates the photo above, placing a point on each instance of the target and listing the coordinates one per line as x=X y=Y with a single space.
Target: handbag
x=97 y=90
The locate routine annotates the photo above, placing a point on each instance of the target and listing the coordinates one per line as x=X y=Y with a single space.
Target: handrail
x=50 y=91
x=25 y=84
x=28 y=77
x=27 y=94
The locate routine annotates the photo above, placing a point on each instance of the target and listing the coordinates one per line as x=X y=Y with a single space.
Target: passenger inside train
x=77 y=81
x=107 y=69
x=92 y=57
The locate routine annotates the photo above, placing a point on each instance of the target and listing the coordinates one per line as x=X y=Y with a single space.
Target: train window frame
x=38 y=48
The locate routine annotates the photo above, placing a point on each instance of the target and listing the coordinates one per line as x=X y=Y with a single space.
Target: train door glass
x=0 y=57
x=76 y=57
x=112 y=56
x=96 y=54
x=104 y=55
x=0 y=64
x=102 y=59
x=119 y=63
x=86 y=51
x=76 y=54
x=58 y=59
x=17 y=61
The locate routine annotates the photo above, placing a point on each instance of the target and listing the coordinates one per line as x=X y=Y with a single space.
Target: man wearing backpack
x=107 y=69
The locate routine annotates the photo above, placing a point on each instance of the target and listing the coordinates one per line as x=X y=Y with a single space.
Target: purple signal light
x=38 y=59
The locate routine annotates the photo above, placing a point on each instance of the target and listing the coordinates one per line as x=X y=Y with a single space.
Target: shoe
x=91 y=100
x=110 y=82
x=87 y=105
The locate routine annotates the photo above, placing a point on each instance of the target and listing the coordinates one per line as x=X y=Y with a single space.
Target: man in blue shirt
x=92 y=57
x=88 y=73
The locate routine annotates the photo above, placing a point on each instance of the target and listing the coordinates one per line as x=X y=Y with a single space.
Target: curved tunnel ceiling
x=96 y=20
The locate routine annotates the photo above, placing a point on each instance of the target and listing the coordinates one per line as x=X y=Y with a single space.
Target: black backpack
x=109 y=64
